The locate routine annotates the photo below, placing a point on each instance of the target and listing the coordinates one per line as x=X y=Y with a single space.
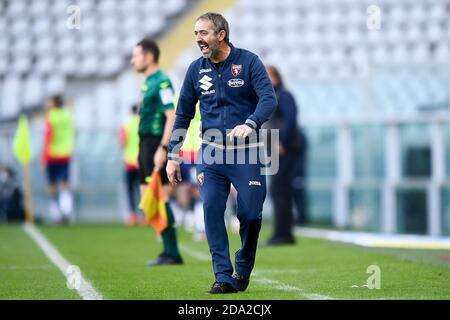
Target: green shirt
x=157 y=98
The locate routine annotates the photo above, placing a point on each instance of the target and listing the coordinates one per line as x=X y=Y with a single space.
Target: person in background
x=11 y=197
x=157 y=116
x=56 y=156
x=188 y=206
x=281 y=188
x=129 y=140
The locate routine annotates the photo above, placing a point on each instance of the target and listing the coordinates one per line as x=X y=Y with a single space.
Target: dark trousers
x=300 y=197
x=132 y=184
x=251 y=192
x=282 y=193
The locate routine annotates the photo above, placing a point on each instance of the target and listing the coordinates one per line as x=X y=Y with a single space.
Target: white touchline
x=272 y=271
x=14 y=267
x=258 y=278
x=85 y=290
x=381 y=240
x=195 y=254
x=411 y=298
x=286 y=287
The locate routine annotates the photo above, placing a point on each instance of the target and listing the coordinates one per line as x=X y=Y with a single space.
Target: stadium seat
x=21 y=65
x=45 y=65
x=59 y=7
x=4 y=47
x=153 y=6
x=38 y=8
x=65 y=46
x=16 y=8
x=107 y=7
x=3 y=26
x=88 y=67
x=3 y=65
x=171 y=7
x=129 y=6
x=40 y=27
x=105 y=106
x=10 y=99
x=83 y=108
x=67 y=64
x=55 y=84
x=89 y=45
x=108 y=25
x=44 y=46
x=22 y=46
x=110 y=66
x=34 y=89
x=442 y=53
x=127 y=90
x=86 y=5
x=152 y=24
x=315 y=39
x=19 y=27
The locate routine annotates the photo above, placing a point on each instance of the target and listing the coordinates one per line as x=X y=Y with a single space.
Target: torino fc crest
x=236 y=69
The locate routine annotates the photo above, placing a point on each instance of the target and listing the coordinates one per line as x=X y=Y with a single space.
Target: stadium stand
x=40 y=55
x=357 y=86
x=327 y=53
x=340 y=70
x=317 y=41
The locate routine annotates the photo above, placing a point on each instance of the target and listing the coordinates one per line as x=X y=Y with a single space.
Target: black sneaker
x=165 y=260
x=222 y=287
x=280 y=241
x=242 y=282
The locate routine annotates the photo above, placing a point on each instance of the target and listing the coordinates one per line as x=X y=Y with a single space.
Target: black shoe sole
x=222 y=292
x=279 y=242
x=242 y=288
x=242 y=284
x=227 y=289
x=164 y=262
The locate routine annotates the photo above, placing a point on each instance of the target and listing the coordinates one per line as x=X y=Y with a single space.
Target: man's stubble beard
x=213 y=51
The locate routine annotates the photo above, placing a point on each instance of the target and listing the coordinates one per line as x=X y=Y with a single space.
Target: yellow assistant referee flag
x=21 y=145
x=154 y=205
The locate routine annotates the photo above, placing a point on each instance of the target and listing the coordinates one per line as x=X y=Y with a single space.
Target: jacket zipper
x=220 y=95
x=222 y=101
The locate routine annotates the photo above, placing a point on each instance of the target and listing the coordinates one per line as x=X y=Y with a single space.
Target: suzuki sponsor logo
x=205 y=83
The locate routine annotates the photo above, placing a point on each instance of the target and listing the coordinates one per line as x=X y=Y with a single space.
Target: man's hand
x=240 y=131
x=160 y=158
x=173 y=172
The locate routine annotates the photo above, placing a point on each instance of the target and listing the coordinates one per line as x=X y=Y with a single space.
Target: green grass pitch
x=112 y=258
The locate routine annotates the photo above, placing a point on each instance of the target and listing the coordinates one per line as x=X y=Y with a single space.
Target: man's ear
x=222 y=35
x=149 y=57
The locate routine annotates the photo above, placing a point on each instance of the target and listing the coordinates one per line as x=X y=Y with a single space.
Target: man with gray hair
x=236 y=98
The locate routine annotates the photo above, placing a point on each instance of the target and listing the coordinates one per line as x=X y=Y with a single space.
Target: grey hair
x=219 y=23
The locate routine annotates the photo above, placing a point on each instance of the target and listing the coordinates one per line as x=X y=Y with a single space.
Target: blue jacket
x=238 y=91
x=285 y=118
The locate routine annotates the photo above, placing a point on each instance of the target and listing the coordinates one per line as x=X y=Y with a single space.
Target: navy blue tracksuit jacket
x=236 y=92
